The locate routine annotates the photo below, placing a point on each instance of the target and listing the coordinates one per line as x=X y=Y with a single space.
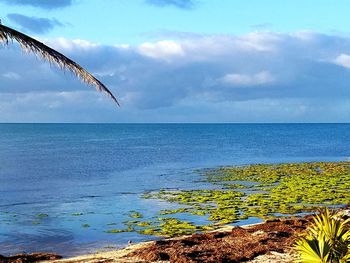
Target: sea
x=64 y=186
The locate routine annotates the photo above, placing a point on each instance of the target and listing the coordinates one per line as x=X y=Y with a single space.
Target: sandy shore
x=131 y=253
x=111 y=256
x=119 y=256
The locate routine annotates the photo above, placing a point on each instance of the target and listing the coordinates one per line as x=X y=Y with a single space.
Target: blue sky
x=135 y=21
x=181 y=61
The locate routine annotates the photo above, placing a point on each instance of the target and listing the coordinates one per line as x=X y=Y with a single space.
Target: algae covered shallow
x=260 y=190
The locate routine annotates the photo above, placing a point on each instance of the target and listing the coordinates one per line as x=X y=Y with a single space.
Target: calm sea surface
x=55 y=179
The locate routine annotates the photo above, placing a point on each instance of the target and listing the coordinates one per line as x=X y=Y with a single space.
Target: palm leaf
x=327 y=240
x=29 y=44
x=313 y=250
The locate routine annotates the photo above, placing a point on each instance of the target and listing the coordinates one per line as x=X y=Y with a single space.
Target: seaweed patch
x=260 y=190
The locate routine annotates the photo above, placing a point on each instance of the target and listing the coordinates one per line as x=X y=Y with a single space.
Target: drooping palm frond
x=30 y=44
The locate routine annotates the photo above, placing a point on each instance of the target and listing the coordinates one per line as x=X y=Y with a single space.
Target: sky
x=180 y=61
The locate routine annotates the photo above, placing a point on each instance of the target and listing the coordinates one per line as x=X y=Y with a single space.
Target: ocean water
x=55 y=179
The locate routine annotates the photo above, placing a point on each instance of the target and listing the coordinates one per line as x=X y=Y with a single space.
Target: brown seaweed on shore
x=238 y=245
x=29 y=258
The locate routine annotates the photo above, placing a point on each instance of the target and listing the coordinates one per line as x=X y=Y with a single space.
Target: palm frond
x=30 y=44
x=313 y=250
x=327 y=240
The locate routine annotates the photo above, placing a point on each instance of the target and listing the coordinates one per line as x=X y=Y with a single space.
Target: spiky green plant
x=326 y=241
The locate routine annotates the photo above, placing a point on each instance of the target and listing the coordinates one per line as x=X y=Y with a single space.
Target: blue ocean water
x=62 y=186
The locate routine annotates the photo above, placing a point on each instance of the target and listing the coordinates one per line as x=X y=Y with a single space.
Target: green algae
x=42 y=215
x=174 y=227
x=77 y=214
x=116 y=231
x=261 y=190
x=135 y=214
x=174 y=211
x=169 y=227
x=143 y=224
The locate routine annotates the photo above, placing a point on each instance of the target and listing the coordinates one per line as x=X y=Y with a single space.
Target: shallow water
x=63 y=186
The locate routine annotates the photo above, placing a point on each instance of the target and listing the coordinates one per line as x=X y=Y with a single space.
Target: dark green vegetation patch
x=262 y=190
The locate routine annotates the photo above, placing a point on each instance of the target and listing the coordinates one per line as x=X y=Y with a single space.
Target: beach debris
x=27 y=258
x=238 y=245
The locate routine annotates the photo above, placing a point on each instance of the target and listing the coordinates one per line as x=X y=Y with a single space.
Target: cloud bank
x=34 y=24
x=258 y=77
x=45 y=4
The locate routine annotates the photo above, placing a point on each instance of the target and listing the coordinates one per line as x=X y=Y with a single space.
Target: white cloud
x=343 y=60
x=11 y=75
x=263 y=77
x=163 y=50
x=289 y=76
x=67 y=45
x=259 y=41
x=46 y=106
x=305 y=35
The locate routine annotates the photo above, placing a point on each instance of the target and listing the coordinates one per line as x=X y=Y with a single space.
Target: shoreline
x=268 y=241
x=123 y=255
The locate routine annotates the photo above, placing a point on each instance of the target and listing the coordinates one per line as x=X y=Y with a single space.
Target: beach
x=271 y=241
